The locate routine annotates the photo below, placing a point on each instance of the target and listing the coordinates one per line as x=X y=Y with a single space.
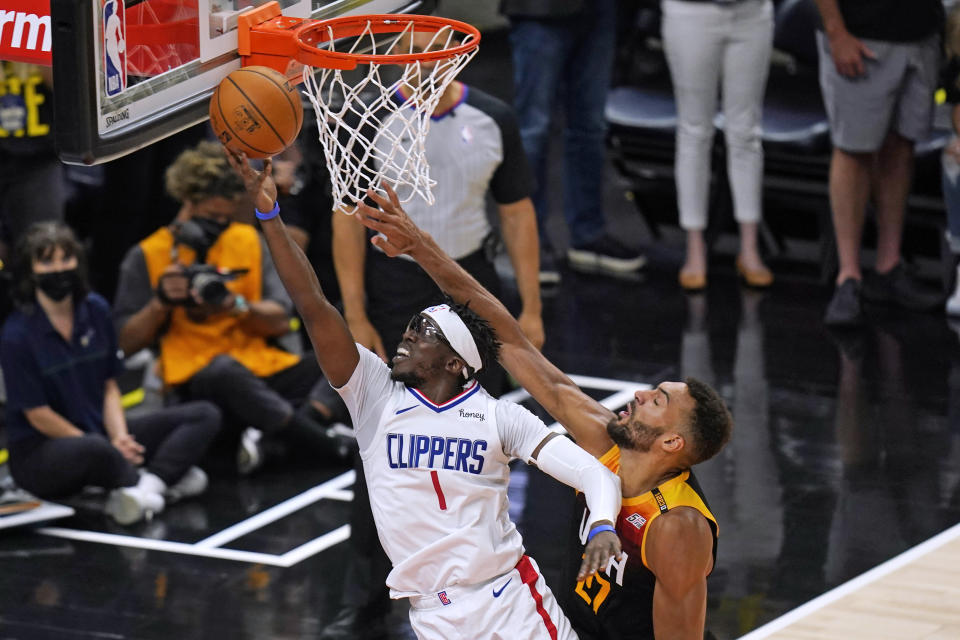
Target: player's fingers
x=382 y=202
x=394 y=200
x=383 y=245
x=267 y=168
x=230 y=157
x=589 y=565
x=368 y=220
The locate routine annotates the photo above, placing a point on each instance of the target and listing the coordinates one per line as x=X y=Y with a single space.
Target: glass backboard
x=130 y=72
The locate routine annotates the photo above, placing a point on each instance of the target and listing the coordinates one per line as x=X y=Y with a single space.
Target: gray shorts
x=895 y=93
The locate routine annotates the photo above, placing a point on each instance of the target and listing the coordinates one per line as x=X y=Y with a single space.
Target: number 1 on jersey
x=436 y=485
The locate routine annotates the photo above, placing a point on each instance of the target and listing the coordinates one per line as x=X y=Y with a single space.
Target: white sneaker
x=128 y=505
x=151 y=483
x=250 y=453
x=193 y=483
x=953 y=302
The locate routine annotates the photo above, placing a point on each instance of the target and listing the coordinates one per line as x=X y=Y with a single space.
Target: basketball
x=256 y=110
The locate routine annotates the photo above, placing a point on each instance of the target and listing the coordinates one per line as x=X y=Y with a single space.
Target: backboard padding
x=171 y=62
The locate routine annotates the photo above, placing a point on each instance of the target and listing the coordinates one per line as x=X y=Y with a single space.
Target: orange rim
x=314 y=33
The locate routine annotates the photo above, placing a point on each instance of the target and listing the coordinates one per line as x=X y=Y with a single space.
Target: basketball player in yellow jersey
x=659 y=589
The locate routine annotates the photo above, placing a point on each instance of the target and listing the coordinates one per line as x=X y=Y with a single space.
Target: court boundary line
x=332 y=489
x=278 y=511
x=210 y=546
x=854 y=584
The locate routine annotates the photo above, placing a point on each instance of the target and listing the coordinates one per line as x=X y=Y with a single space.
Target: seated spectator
x=204 y=290
x=67 y=429
x=951 y=156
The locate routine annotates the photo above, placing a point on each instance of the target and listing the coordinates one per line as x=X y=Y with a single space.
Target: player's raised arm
x=332 y=343
x=585 y=418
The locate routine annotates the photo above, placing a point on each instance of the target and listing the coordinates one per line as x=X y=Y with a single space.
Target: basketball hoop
x=372 y=128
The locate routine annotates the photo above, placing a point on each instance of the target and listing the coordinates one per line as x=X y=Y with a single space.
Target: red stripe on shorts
x=529 y=577
x=436 y=485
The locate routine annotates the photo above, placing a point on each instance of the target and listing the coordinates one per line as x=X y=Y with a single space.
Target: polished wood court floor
x=915 y=595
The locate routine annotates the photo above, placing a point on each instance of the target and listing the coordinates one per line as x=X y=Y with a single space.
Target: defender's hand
x=402 y=235
x=260 y=185
x=598 y=552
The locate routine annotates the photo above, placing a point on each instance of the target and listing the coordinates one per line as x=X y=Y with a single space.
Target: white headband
x=457 y=334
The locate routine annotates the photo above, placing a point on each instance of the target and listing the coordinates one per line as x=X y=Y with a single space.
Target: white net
x=373 y=129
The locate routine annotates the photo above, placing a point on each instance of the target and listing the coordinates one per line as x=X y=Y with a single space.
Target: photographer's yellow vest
x=187 y=346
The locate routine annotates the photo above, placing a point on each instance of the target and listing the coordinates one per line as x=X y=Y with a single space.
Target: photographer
x=206 y=292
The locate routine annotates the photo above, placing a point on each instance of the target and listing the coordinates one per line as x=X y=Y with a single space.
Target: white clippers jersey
x=437 y=477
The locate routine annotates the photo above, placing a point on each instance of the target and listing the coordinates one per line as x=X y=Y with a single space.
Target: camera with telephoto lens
x=208 y=281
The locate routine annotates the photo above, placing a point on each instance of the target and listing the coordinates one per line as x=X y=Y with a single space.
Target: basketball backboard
x=130 y=72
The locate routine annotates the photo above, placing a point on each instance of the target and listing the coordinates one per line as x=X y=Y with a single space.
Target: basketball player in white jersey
x=435 y=449
x=669 y=536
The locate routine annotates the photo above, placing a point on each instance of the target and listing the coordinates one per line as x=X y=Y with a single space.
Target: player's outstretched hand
x=260 y=185
x=400 y=234
x=598 y=552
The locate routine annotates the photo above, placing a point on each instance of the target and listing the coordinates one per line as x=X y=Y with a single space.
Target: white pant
x=518 y=604
x=706 y=42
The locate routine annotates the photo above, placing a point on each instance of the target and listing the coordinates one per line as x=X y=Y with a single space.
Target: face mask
x=57 y=285
x=211 y=229
x=200 y=233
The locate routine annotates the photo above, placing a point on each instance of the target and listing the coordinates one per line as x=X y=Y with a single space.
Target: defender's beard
x=634 y=435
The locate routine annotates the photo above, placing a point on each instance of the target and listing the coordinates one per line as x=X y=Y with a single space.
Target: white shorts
x=518 y=604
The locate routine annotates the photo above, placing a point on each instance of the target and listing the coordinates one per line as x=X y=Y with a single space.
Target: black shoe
x=354 y=623
x=605 y=254
x=897 y=287
x=549 y=273
x=845 y=309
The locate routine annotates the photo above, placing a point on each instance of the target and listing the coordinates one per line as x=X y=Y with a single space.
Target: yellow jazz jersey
x=617 y=603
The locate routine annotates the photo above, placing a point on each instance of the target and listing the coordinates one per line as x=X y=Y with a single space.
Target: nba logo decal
x=114 y=47
x=443 y=598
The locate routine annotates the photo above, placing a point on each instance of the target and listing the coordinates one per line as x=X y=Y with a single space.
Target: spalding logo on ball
x=256 y=110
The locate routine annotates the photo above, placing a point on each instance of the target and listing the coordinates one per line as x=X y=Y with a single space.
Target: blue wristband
x=269 y=215
x=597 y=529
